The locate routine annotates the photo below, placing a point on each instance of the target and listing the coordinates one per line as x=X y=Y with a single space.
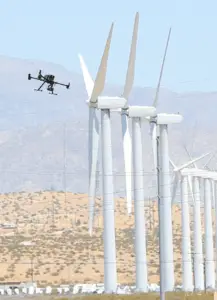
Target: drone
x=48 y=79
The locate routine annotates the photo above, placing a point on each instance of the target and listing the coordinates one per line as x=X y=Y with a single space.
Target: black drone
x=48 y=79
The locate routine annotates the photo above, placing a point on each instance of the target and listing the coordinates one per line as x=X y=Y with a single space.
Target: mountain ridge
x=32 y=128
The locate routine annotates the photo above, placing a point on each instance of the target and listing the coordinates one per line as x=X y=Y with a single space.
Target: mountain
x=43 y=138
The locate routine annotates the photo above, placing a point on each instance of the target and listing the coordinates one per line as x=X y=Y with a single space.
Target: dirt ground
x=50 y=243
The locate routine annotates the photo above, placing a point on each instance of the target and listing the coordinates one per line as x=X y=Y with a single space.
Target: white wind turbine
x=182 y=174
x=138 y=114
x=93 y=144
x=106 y=104
x=160 y=122
x=206 y=178
x=209 y=250
x=164 y=200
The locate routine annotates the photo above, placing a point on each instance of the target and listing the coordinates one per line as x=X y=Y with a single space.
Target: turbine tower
x=198 y=245
x=165 y=215
x=137 y=113
x=209 y=253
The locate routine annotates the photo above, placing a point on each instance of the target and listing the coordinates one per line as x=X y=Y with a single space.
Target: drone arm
x=63 y=84
x=36 y=78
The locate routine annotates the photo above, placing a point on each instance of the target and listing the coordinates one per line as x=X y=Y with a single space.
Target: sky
x=56 y=31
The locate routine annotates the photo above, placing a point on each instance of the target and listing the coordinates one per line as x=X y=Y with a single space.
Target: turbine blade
x=192 y=161
x=172 y=164
x=161 y=71
x=191 y=188
x=153 y=133
x=127 y=149
x=190 y=157
x=209 y=160
x=101 y=74
x=89 y=83
x=93 y=150
x=213 y=193
x=175 y=184
x=132 y=59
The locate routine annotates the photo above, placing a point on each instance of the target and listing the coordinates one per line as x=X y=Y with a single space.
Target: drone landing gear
x=50 y=88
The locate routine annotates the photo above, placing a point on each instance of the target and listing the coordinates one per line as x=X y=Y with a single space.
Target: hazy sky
x=53 y=30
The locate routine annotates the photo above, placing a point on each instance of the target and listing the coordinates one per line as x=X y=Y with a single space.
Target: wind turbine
x=106 y=104
x=93 y=144
x=207 y=177
x=182 y=173
x=166 y=243
x=209 y=253
x=164 y=196
x=137 y=113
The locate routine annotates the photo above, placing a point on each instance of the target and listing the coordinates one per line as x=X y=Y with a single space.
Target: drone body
x=49 y=80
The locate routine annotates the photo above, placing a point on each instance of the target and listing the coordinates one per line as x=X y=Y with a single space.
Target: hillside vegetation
x=50 y=243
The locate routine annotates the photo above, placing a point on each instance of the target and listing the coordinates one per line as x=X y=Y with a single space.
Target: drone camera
x=68 y=85
x=29 y=77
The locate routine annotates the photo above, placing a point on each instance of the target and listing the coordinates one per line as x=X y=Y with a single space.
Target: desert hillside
x=44 y=238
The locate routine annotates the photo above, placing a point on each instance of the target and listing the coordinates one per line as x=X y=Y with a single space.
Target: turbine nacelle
x=166 y=119
x=104 y=102
x=199 y=173
x=141 y=111
x=191 y=172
